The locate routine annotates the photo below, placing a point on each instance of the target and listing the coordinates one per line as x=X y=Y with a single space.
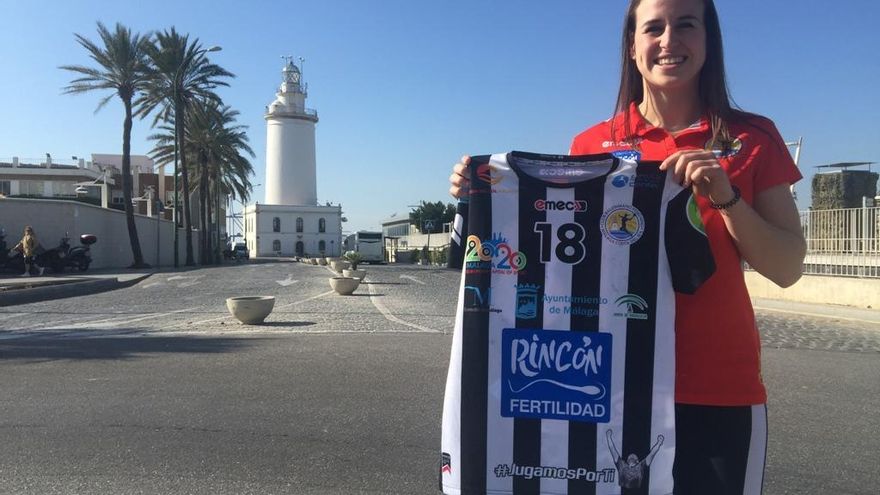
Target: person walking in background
x=673 y=108
x=28 y=247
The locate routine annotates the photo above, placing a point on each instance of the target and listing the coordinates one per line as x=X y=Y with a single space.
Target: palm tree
x=180 y=75
x=214 y=146
x=121 y=68
x=219 y=144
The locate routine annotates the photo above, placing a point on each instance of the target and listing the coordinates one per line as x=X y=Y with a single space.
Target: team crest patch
x=719 y=150
x=622 y=225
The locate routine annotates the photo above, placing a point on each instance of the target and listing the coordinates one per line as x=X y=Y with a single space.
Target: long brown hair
x=714 y=95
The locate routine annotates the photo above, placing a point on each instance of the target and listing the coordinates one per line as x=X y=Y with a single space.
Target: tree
x=121 y=68
x=181 y=77
x=216 y=147
x=430 y=217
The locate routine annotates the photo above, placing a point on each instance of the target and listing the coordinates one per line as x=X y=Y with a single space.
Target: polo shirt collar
x=642 y=127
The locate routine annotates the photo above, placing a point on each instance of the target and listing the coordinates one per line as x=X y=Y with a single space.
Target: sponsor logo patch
x=628 y=155
x=634 y=307
x=553 y=374
x=489 y=173
x=549 y=205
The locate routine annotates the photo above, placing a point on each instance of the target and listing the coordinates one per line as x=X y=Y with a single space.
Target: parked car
x=240 y=251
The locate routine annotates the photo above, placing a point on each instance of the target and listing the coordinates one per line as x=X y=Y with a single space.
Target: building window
x=64 y=189
x=30 y=187
x=276 y=225
x=322 y=246
x=276 y=246
x=322 y=225
x=300 y=248
x=299 y=224
x=5 y=187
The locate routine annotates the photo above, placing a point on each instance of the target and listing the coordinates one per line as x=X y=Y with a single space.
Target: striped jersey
x=562 y=369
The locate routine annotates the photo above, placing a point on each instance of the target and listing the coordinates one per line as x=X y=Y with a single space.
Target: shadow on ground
x=46 y=348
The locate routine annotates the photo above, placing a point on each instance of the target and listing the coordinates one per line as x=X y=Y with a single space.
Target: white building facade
x=279 y=230
x=291 y=223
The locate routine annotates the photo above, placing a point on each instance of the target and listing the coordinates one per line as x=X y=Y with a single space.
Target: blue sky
x=403 y=88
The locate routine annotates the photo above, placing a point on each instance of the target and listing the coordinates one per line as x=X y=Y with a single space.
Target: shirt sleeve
x=774 y=165
x=687 y=248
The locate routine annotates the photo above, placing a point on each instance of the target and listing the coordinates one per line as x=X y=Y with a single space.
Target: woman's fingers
x=459 y=178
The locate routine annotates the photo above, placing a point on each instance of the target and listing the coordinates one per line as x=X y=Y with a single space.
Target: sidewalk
x=820 y=310
x=22 y=290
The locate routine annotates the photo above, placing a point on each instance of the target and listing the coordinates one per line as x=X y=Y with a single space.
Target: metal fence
x=843 y=242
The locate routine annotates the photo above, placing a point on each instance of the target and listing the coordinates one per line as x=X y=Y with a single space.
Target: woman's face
x=669 y=43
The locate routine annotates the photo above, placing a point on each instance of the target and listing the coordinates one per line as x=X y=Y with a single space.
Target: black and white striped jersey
x=562 y=370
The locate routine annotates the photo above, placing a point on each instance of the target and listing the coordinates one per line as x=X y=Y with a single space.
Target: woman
x=673 y=107
x=28 y=246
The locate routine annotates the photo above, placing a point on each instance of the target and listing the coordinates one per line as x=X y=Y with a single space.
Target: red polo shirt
x=717 y=346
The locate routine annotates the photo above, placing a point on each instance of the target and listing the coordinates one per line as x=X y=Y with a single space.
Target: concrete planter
x=339 y=266
x=322 y=261
x=250 y=310
x=358 y=274
x=344 y=286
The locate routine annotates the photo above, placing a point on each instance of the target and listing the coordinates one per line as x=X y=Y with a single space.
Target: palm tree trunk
x=184 y=179
x=203 y=238
x=209 y=232
x=126 y=189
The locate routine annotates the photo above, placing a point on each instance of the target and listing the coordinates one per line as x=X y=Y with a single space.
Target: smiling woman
x=673 y=110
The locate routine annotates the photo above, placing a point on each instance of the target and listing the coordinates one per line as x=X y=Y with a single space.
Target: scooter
x=81 y=256
x=56 y=258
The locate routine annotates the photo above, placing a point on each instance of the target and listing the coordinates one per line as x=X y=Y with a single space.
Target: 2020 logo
x=495 y=253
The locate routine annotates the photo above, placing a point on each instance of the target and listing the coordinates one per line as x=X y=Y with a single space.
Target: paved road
x=154 y=389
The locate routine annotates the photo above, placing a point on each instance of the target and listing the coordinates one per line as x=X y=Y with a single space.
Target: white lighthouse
x=291 y=223
x=290 y=143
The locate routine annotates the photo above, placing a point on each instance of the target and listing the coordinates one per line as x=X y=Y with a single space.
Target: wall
x=52 y=218
x=846 y=291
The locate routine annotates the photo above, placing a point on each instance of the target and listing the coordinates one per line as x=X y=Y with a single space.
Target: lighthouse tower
x=290 y=143
x=291 y=222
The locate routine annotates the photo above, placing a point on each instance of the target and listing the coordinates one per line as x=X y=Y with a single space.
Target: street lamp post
x=177 y=132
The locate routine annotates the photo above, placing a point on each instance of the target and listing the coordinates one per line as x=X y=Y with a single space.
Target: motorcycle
x=81 y=256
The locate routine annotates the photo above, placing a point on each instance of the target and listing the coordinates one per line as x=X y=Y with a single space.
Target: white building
x=291 y=223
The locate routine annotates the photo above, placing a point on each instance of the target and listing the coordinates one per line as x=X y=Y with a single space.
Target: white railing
x=843 y=242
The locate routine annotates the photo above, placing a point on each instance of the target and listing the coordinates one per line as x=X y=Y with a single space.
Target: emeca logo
x=489 y=173
x=546 y=205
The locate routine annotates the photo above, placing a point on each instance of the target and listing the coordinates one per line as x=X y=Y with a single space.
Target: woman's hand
x=459 y=178
x=700 y=169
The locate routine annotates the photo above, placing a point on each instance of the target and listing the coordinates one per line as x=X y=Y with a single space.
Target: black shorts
x=719 y=450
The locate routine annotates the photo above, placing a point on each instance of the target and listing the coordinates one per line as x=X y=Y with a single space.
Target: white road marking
x=42 y=324
x=305 y=300
x=115 y=322
x=413 y=279
x=390 y=317
x=286 y=282
x=146 y=286
x=13 y=315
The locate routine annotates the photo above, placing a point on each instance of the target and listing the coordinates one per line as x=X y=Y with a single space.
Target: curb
x=61 y=291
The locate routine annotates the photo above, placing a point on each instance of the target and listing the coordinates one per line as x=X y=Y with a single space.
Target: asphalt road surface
x=155 y=389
